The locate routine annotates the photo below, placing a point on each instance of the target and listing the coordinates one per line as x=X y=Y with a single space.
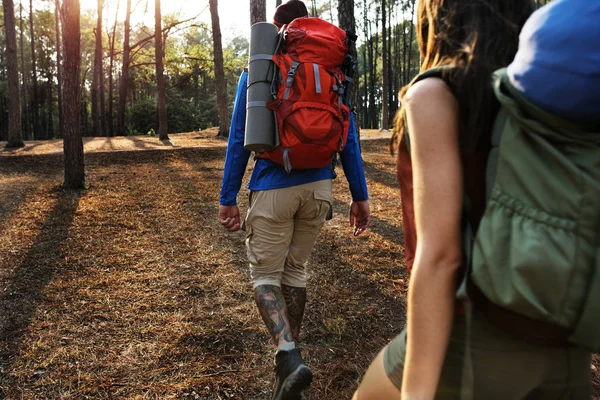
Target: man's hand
x=360 y=216
x=229 y=217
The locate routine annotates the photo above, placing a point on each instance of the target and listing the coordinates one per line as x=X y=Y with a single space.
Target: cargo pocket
x=252 y=258
x=325 y=201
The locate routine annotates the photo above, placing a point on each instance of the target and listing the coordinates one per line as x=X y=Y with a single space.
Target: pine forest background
x=386 y=45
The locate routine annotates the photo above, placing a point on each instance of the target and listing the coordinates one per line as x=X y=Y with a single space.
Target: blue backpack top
x=557 y=66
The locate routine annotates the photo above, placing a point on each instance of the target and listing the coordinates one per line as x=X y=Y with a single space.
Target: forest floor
x=132 y=289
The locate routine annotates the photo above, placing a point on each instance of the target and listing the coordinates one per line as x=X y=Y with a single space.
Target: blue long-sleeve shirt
x=269 y=175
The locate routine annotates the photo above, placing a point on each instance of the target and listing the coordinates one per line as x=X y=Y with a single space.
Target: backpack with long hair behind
x=537 y=250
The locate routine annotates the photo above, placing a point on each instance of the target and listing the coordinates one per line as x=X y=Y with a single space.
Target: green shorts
x=504 y=367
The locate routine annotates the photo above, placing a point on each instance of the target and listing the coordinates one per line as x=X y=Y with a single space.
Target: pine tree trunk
x=59 y=67
x=37 y=134
x=97 y=114
x=110 y=123
x=222 y=105
x=94 y=92
x=101 y=93
x=348 y=23
x=26 y=124
x=390 y=44
x=160 y=77
x=384 y=69
x=12 y=66
x=410 y=41
x=366 y=57
x=124 y=74
x=49 y=105
x=258 y=11
x=73 y=145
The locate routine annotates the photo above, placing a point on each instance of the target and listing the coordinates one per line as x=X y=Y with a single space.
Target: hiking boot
x=291 y=374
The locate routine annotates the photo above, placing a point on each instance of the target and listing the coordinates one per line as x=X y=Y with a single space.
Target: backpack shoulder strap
x=435 y=72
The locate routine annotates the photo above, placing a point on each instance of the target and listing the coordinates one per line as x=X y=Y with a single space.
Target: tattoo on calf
x=271 y=306
x=295 y=300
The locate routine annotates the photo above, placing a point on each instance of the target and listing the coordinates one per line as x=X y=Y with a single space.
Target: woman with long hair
x=442 y=136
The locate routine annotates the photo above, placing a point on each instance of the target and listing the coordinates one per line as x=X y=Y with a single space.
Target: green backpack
x=537 y=248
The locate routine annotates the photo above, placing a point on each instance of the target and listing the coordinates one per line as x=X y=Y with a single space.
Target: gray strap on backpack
x=286 y=160
x=290 y=79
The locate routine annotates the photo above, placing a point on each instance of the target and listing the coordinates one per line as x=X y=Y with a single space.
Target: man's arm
x=236 y=161
x=360 y=213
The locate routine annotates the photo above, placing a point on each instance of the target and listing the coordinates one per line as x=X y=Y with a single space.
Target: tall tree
x=410 y=43
x=26 y=121
x=12 y=66
x=35 y=95
x=111 y=39
x=73 y=144
x=347 y=22
x=160 y=76
x=220 y=81
x=98 y=115
x=123 y=84
x=58 y=64
x=258 y=11
x=384 y=69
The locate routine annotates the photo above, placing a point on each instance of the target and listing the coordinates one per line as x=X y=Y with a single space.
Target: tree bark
x=59 y=66
x=124 y=74
x=384 y=69
x=49 y=107
x=388 y=66
x=410 y=41
x=26 y=124
x=35 y=95
x=347 y=22
x=98 y=118
x=220 y=82
x=366 y=46
x=258 y=11
x=12 y=66
x=160 y=77
x=110 y=123
x=73 y=144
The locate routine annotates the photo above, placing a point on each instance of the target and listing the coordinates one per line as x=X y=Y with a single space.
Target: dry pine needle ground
x=131 y=289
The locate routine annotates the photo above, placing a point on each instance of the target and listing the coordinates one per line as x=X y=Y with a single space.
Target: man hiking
x=286 y=213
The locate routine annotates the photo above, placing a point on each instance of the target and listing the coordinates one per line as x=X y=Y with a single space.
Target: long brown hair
x=472 y=38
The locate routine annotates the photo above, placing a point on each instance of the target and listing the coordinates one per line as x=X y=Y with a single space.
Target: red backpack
x=312 y=119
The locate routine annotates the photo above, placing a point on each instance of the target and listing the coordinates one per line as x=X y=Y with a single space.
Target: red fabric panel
x=405 y=180
x=313 y=40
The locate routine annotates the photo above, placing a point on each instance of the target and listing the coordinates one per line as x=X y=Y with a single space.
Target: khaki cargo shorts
x=282 y=226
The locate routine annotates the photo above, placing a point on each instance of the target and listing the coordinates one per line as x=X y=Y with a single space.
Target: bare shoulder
x=430 y=92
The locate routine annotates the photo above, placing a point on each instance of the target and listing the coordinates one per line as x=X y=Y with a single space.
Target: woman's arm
x=433 y=120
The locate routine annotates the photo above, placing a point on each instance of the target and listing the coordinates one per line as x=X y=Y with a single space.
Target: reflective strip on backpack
x=317 y=78
x=286 y=160
x=290 y=79
x=339 y=89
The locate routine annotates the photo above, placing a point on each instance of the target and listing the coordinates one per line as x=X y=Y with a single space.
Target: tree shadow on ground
x=11 y=197
x=24 y=291
x=374 y=173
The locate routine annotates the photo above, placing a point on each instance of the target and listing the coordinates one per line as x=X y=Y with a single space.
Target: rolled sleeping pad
x=260 y=121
